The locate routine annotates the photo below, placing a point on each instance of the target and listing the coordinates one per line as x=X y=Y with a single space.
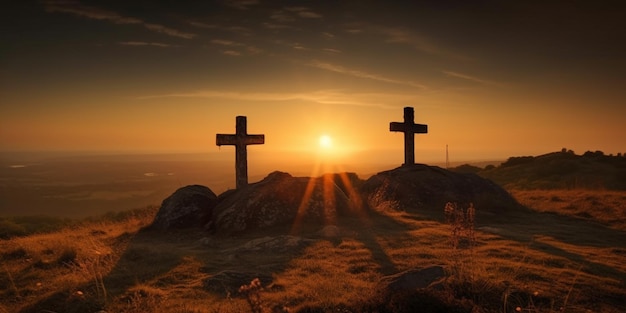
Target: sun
x=326 y=142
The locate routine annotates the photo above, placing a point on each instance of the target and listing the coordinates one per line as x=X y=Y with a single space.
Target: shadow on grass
x=143 y=259
x=152 y=258
x=530 y=225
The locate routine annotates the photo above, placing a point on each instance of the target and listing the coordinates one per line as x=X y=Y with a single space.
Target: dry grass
x=524 y=265
x=604 y=206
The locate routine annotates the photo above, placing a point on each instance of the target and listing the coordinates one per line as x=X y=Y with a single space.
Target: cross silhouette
x=409 y=128
x=240 y=140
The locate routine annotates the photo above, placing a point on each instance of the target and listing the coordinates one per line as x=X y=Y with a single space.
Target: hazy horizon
x=80 y=184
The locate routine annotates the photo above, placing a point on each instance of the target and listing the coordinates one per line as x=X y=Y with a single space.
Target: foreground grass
x=522 y=265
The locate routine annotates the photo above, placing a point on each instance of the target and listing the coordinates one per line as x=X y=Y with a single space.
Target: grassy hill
x=558 y=170
x=529 y=262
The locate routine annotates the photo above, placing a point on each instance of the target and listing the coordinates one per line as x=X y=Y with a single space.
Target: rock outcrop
x=426 y=189
x=281 y=199
x=189 y=206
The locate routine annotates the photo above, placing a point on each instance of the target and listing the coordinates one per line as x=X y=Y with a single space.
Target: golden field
x=567 y=255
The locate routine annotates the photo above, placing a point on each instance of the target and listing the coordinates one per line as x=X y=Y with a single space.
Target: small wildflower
x=518 y=309
x=79 y=293
x=536 y=293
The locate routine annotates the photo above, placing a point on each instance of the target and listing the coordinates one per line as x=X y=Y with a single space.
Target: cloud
x=231 y=53
x=331 y=50
x=415 y=40
x=168 y=31
x=89 y=12
x=290 y=14
x=225 y=42
x=470 y=78
x=142 y=43
x=360 y=74
x=248 y=49
x=398 y=35
x=338 y=97
x=282 y=17
x=304 y=12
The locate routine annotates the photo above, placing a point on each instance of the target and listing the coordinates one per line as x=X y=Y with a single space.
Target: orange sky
x=491 y=81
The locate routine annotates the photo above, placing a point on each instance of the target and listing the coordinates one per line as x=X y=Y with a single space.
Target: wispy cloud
x=304 y=12
x=142 y=43
x=398 y=35
x=75 y=8
x=361 y=74
x=168 y=31
x=291 y=14
x=331 y=50
x=223 y=42
x=338 y=97
x=470 y=78
x=231 y=53
x=236 y=48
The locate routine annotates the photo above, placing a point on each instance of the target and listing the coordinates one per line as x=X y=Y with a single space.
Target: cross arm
x=233 y=140
x=222 y=139
x=255 y=139
x=411 y=128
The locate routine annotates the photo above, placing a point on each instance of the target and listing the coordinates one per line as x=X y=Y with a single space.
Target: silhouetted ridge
x=561 y=170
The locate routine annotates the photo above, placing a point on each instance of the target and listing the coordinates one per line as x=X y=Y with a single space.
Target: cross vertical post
x=240 y=140
x=409 y=128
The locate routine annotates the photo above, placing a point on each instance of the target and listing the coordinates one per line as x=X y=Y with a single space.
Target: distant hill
x=557 y=170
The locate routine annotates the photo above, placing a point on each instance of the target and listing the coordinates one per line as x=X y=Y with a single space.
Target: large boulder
x=189 y=206
x=426 y=189
x=281 y=199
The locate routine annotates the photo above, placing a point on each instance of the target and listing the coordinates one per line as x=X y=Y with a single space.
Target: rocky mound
x=281 y=199
x=189 y=206
x=426 y=189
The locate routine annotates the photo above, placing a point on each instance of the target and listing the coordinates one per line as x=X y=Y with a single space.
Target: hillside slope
x=559 y=170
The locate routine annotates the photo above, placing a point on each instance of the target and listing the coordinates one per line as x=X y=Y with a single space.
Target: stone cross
x=240 y=140
x=409 y=128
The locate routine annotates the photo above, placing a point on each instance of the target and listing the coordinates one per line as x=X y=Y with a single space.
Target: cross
x=409 y=128
x=240 y=140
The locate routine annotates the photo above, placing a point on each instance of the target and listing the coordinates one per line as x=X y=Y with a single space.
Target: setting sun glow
x=326 y=142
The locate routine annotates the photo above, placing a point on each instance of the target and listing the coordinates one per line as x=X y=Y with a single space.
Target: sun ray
x=330 y=202
x=304 y=203
x=356 y=202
